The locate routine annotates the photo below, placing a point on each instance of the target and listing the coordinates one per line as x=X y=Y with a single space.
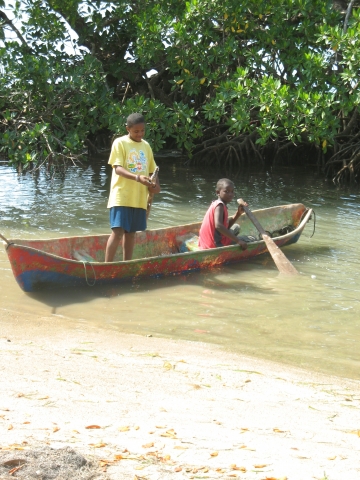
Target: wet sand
x=150 y=408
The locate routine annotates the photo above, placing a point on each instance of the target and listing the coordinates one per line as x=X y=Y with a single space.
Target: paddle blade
x=283 y=264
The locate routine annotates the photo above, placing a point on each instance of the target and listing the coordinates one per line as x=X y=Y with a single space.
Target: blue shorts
x=129 y=218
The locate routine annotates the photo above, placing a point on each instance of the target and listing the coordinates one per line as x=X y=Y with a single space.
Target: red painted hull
x=52 y=263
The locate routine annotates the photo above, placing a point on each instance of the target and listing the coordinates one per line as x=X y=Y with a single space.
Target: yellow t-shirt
x=137 y=158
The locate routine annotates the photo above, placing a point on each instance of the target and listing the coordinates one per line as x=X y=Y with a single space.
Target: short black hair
x=223 y=182
x=134 y=119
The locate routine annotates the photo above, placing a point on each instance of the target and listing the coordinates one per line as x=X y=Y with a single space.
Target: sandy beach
x=149 y=408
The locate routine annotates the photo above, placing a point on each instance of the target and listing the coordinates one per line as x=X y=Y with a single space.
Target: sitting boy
x=215 y=230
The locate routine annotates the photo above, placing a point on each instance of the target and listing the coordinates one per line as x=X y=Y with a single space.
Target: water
x=310 y=320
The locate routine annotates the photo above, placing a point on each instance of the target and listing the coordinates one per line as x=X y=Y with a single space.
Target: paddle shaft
x=151 y=195
x=283 y=264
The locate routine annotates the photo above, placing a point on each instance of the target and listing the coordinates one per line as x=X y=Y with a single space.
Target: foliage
x=232 y=81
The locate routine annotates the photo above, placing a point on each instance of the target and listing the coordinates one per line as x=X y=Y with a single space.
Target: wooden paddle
x=282 y=263
x=151 y=195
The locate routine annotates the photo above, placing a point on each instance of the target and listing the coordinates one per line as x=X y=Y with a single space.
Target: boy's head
x=225 y=190
x=135 y=125
x=223 y=183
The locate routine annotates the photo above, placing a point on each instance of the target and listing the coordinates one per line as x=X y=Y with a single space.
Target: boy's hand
x=242 y=244
x=241 y=203
x=146 y=181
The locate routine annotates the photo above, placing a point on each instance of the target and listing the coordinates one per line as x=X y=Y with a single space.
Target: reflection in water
x=310 y=320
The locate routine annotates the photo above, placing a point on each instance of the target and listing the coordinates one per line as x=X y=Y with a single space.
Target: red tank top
x=209 y=237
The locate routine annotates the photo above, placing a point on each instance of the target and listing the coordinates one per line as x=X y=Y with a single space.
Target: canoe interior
x=164 y=241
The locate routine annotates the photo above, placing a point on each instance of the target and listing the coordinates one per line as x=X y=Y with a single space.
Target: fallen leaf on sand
x=177 y=469
x=277 y=430
x=105 y=463
x=159 y=426
x=14 y=446
x=167 y=366
x=136 y=428
x=10 y=427
x=13 y=470
x=169 y=433
x=26 y=423
x=277 y=478
x=56 y=429
x=139 y=467
x=262 y=465
x=214 y=454
x=194 y=385
x=356 y=432
x=332 y=458
x=180 y=447
x=92 y=426
x=124 y=429
x=148 y=445
x=97 y=445
x=235 y=467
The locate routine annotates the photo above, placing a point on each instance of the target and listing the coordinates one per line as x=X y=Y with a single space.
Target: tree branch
x=348 y=12
x=7 y=21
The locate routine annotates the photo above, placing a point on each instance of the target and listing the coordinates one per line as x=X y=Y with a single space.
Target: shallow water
x=311 y=320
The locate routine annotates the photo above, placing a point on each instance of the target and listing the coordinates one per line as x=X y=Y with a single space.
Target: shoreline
x=171 y=409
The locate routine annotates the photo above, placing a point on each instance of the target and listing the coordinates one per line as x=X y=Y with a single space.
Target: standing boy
x=133 y=163
x=215 y=229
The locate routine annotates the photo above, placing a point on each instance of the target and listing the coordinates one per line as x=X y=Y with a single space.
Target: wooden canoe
x=79 y=261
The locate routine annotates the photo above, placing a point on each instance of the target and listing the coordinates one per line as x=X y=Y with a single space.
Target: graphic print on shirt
x=136 y=161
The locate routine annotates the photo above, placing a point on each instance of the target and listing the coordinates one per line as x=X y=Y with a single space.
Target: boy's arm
x=218 y=218
x=240 y=210
x=122 y=172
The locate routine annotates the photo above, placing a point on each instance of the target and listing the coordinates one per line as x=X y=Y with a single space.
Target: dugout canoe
x=79 y=261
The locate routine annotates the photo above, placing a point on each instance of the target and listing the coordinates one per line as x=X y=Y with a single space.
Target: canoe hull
x=40 y=264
